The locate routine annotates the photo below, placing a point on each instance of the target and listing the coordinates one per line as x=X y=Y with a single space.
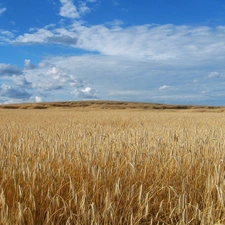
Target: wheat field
x=116 y=167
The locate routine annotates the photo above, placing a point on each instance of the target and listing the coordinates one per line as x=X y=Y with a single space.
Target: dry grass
x=67 y=166
x=110 y=105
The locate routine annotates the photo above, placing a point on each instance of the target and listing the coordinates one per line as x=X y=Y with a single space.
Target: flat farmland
x=97 y=164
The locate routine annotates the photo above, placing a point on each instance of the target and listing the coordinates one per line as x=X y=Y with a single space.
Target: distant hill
x=109 y=105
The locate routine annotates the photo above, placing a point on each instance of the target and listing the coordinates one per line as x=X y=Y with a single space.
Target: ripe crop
x=101 y=166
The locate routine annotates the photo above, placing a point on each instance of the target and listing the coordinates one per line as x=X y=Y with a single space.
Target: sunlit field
x=96 y=166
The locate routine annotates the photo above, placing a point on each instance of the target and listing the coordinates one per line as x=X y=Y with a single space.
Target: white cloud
x=216 y=74
x=7 y=91
x=29 y=65
x=38 y=99
x=69 y=10
x=53 y=83
x=2 y=10
x=21 y=81
x=164 y=87
x=83 y=8
x=48 y=35
x=213 y=74
x=6 y=33
x=167 y=43
x=5 y=36
x=39 y=36
x=152 y=42
x=9 y=70
x=86 y=93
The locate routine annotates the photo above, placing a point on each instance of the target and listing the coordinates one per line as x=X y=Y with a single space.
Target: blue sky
x=164 y=51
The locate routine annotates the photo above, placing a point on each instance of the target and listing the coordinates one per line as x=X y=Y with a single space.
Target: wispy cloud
x=5 y=36
x=115 y=23
x=115 y=3
x=216 y=74
x=2 y=10
x=150 y=42
x=164 y=87
x=48 y=35
x=92 y=1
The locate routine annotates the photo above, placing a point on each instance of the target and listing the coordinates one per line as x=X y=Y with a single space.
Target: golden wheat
x=99 y=167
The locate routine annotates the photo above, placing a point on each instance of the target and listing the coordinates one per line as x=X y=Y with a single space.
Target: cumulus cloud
x=78 y=83
x=14 y=93
x=44 y=64
x=69 y=10
x=86 y=93
x=83 y=8
x=57 y=78
x=38 y=99
x=52 y=82
x=2 y=10
x=21 y=81
x=29 y=65
x=9 y=70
